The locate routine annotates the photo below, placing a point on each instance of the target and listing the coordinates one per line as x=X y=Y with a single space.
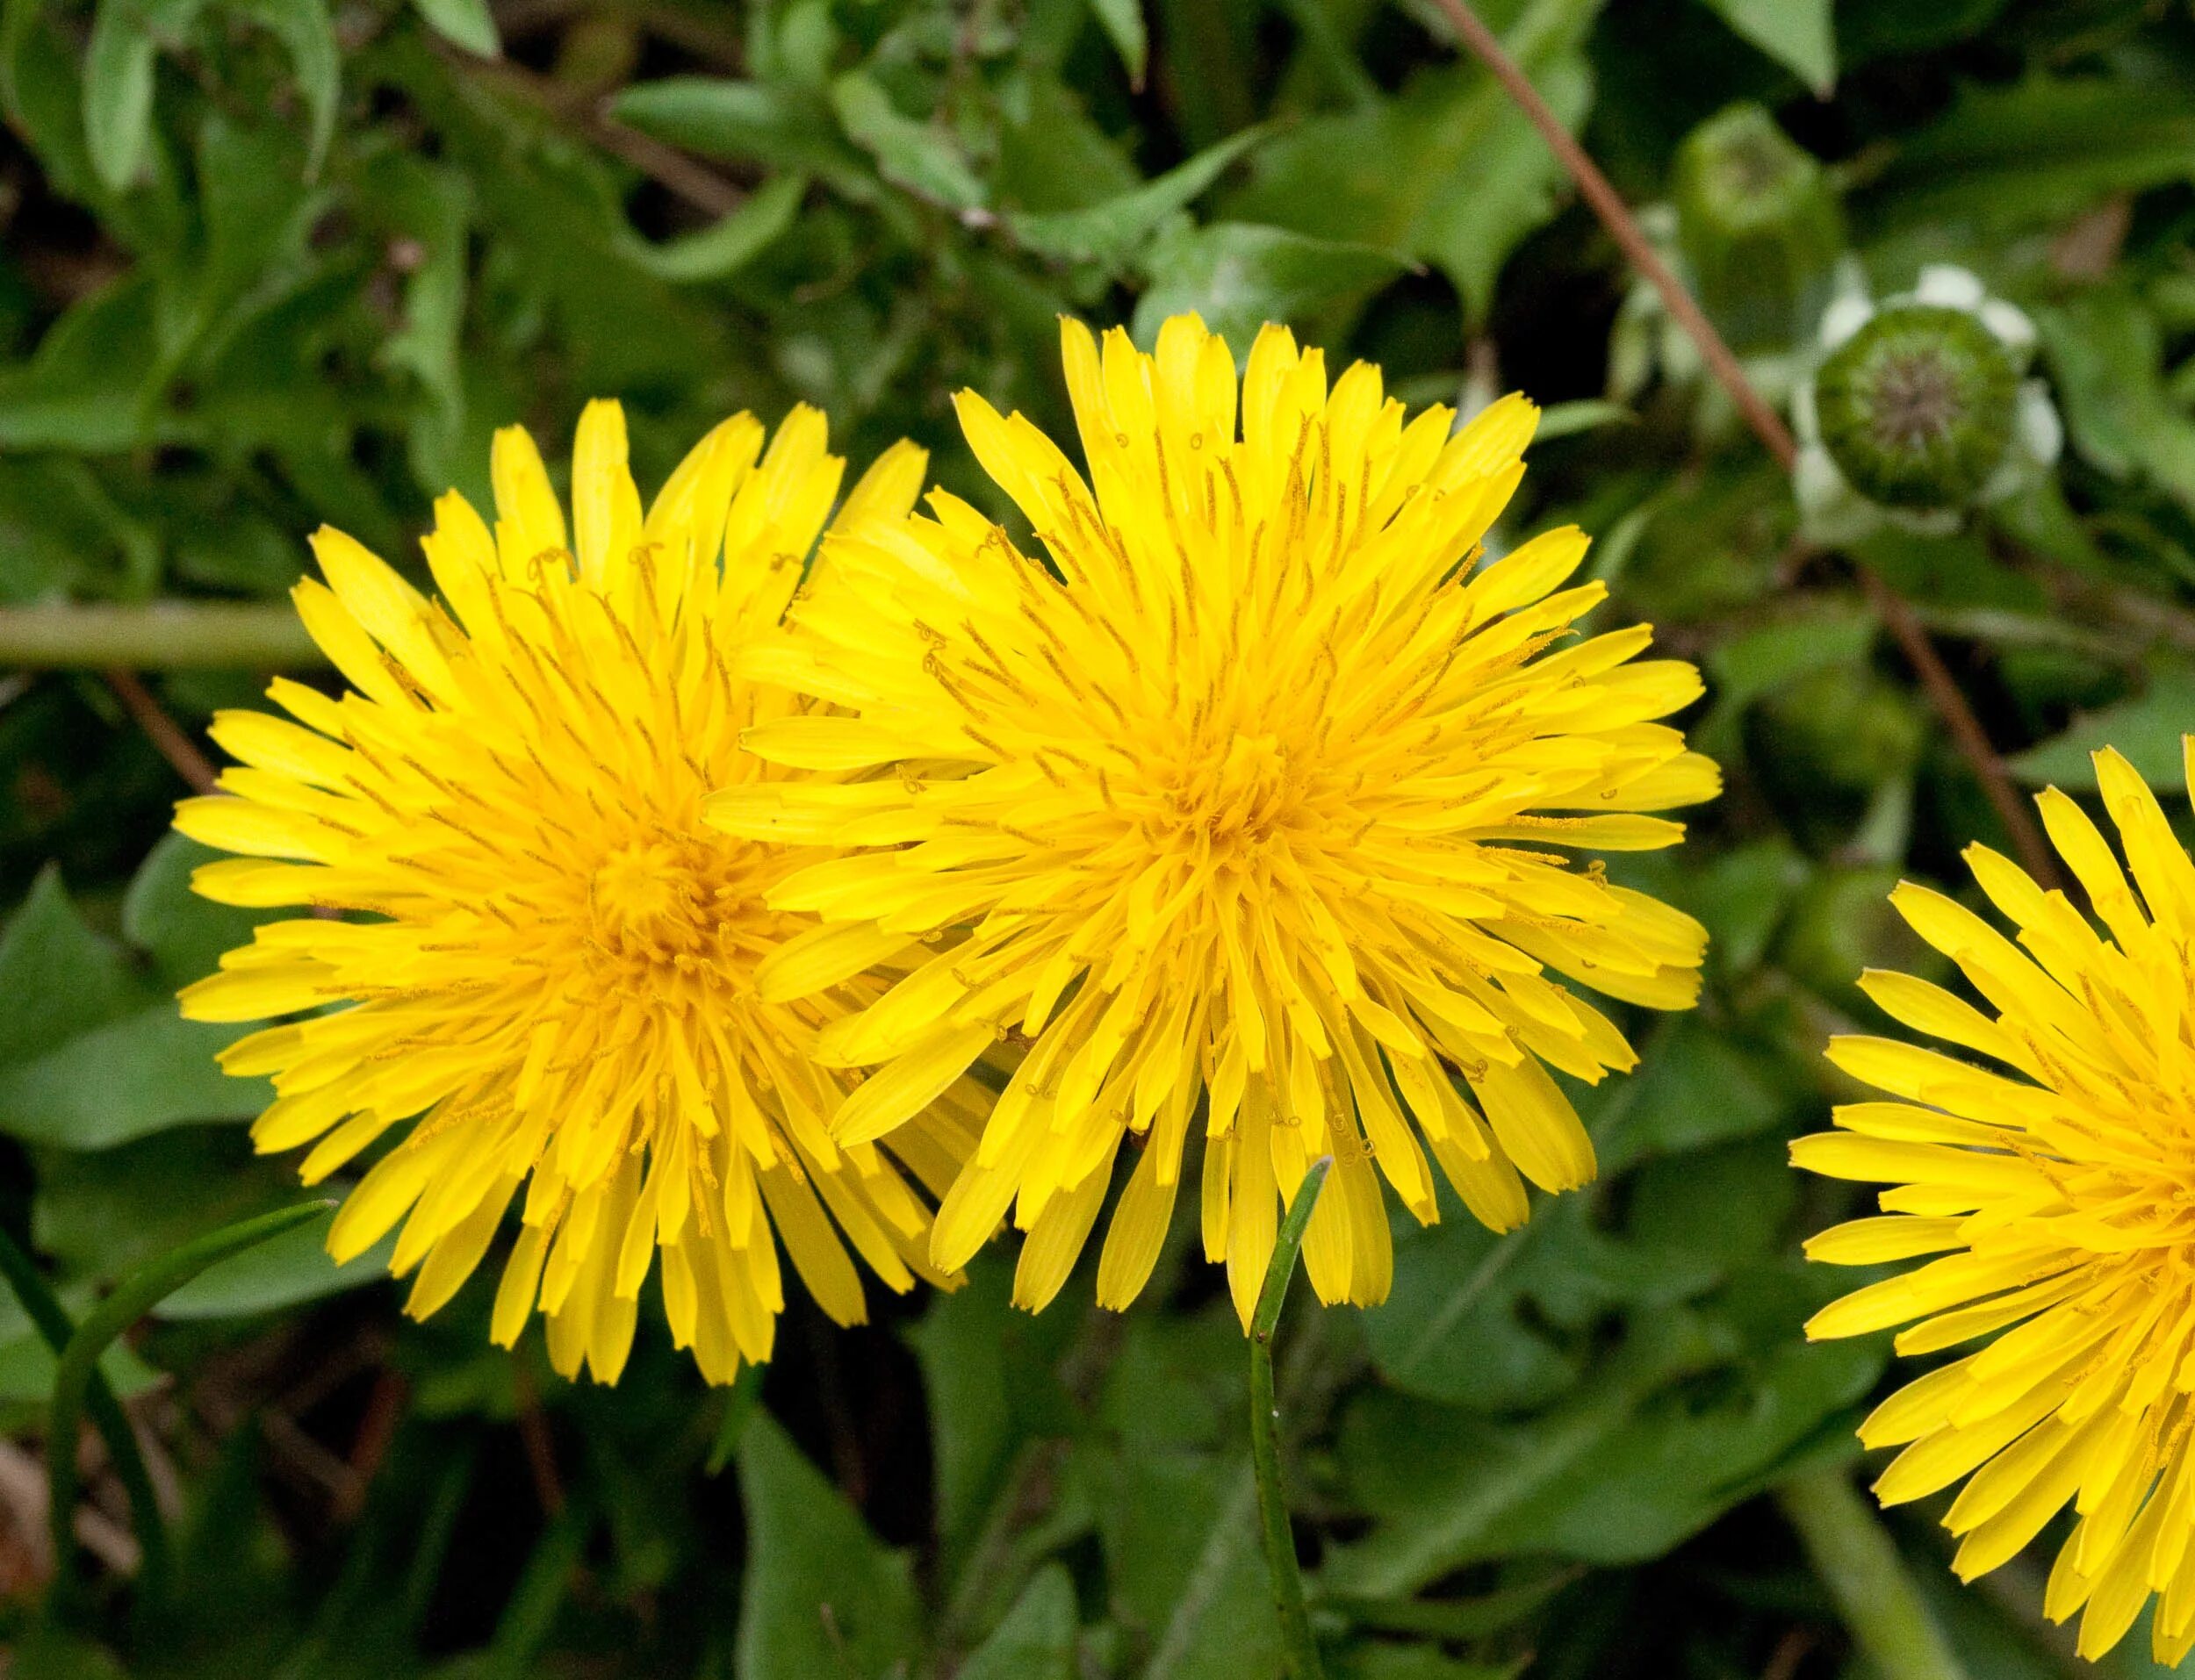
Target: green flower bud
x=1918 y=406
x=1758 y=224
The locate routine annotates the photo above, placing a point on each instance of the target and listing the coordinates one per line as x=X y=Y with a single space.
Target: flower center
x=1916 y=401
x=1230 y=800
x=679 y=920
x=647 y=897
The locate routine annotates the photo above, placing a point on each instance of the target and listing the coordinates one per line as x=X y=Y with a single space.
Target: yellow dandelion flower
x=2056 y=1192
x=550 y=970
x=1252 y=791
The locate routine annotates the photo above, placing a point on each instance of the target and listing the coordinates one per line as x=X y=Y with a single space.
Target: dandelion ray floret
x=528 y=949
x=1243 y=799
x=2047 y=1203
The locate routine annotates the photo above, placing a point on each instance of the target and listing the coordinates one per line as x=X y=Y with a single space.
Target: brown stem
x=700 y=186
x=1896 y=613
x=369 y=1448
x=163 y=731
x=697 y=184
x=1623 y=227
x=541 y=1447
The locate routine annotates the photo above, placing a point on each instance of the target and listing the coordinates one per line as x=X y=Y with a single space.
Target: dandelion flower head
x=1243 y=795
x=2052 y=1180
x=529 y=949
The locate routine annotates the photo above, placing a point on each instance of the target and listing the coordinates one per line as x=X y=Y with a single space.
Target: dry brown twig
x=539 y=1447
x=1896 y=613
x=696 y=183
x=376 y=1432
x=161 y=730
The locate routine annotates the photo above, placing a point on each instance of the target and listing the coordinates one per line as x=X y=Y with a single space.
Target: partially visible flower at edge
x=2056 y=1199
x=1917 y=410
x=550 y=973
x=1257 y=790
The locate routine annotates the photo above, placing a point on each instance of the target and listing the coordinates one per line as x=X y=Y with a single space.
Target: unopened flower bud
x=1759 y=227
x=1917 y=407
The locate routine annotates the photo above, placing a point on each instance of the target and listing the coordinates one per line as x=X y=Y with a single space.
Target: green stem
x=133 y=1297
x=156 y=636
x=58 y=1328
x=1859 y=1562
x=1281 y=1564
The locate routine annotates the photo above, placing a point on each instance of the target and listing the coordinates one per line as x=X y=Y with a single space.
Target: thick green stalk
x=1302 y=1651
x=1859 y=1562
x=158 y=635
x=133 y=1298
x=58 y=1328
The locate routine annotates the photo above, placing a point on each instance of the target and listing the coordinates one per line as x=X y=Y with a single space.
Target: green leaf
x=145 y=1071
x=465 y=22
x=1751 y=665
x=2033 y=153
x=258 y=215
x=1796 y=33
x=49 y=1653
x=2107 y=352
x=433 y=206
x=1697 y=1086
x=1866 y=29
x=1475 y=1318
x=822 y=1596
x=97 y=1215
x=1239 y=277
x=1167 y=1479
x=1522 y=1593
x=60 y=978
x=285 y=1271
x=1122 y=20
x=1036 y=1642
x=1742 y=896
x=95 y=1071
x=117 y=92
x=742 y=1400
x=76 y=1379
x=1716 y=1209
x=1421 y=1663
x=184 y=935
x=1112 y=232
x=731 y=242
x=746 y=121
x=306 y=30
x=989 y=1374
x=1697 y=1412
x=1180 y=1533
x=2147 y=729
x=1449 y=173
x=920 y=157
x=1591 y=414
x=35 y=1304
x=531 y=1613
x=84 y=388
x=1053 y=156
x=27 y=1366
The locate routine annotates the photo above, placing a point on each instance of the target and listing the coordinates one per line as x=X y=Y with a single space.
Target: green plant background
x=271 y=262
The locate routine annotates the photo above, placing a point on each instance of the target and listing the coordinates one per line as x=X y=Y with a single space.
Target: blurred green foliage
x=271 y=262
